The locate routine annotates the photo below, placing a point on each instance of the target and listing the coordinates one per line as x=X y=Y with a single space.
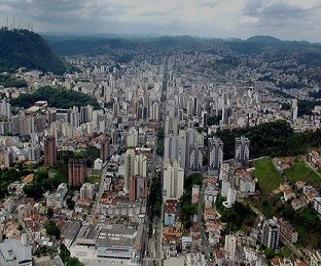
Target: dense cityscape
x=179 y=156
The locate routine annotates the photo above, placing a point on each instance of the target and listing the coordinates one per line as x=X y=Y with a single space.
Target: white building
x=98 y=164
x=270 y=235
x=135 y=164
x=317 y=204
x=173 y=181
x=171 y=125
x=56 y=199
x=230 y=199
x=141 y=165
x=230 y=247
x=247 y=185
x=171 y=147
x=195 y=259
x=224 y=171
x=5 y=109
x=132 y=137
x=215 y=153
x=225 y=186
x=87 y=191
x=315 y=258
x=251 y=255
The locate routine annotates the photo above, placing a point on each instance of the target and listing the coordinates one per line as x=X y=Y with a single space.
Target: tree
x=10 y=81
x=269 y=253
x=189 y=209
x=23 y=48
x=50 y=213
x=56 y=96
x=52 y=229
x=73 y=262
x=66 y=259
x=64 y=253
x=7 y=176
x=274 y=139
x=33 y=190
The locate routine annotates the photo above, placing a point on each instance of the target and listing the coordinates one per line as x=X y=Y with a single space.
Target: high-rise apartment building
x=51 y=115
x=137 y=188
x=215 y=154
x=5 y=109
x=173 y=181
x=171 y=125
x=135 y=164
x=50 y=151
x=171 y=147
x=129 y=167
x=270 y=234
x=74 y=117
x=230 y=247
x=86 y=114
x=132 y=137
x=242 y=150
x=77 y=172
x=104 y=147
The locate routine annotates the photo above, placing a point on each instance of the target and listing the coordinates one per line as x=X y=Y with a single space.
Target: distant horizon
x=222 y=19
x=152 y=35
x=156 y=35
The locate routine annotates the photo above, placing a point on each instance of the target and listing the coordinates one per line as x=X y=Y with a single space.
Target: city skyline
x=285 y=19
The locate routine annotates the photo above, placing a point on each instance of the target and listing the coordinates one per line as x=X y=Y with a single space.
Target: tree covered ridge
x=23 y=48
x=56 y=96
x=273 y=139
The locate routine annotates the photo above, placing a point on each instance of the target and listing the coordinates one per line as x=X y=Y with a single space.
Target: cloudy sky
x=286 y=19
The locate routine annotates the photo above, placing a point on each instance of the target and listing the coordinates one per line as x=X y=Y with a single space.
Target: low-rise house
x=314 y=159
x=195 y=259
x=186 y=242
x=299 y=203
x=170 y=211
x=288 y=195
x=281 y=262
x=171 y=233
x=210 y=214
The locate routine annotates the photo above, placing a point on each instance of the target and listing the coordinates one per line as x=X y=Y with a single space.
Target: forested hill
x=23 y=48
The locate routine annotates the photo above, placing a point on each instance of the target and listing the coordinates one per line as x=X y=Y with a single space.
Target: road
x=101 y=190
x=205 y=245
x=155 y=252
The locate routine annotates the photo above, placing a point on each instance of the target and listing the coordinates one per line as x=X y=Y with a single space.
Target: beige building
x=173 y=183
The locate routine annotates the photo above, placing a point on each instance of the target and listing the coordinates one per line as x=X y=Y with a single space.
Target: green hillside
x=22 y=48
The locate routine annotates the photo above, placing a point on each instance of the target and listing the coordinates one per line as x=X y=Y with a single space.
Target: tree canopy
x=23 y=48
x=57 y=96
x=8 y=81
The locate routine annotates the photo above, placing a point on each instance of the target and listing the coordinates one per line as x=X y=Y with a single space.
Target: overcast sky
x=286 y=19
